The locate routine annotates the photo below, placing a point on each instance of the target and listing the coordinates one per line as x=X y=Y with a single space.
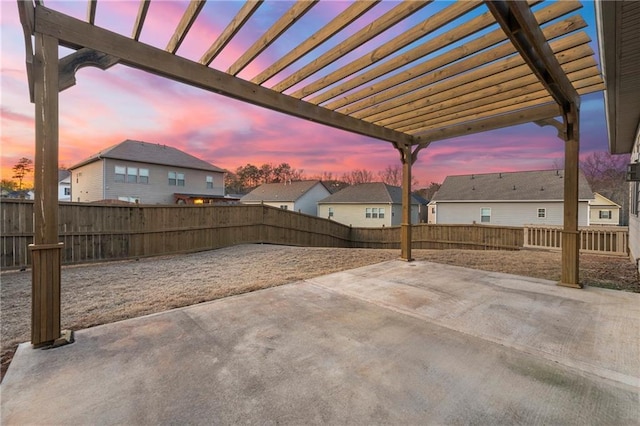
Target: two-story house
x=146 y=173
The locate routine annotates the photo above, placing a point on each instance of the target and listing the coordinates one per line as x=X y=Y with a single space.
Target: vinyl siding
x=355 y=214
x=594 y=215
x=157 y=191
x=507 y=214
x=634 y=219
x=308 y=202
x=86 y=183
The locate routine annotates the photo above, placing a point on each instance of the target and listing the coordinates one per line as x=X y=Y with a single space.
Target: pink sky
x=107 y=107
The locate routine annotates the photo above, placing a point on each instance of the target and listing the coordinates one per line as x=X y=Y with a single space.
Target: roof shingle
x=374 y=192
x=289 y=191
x=510 y=186
x=151 y=153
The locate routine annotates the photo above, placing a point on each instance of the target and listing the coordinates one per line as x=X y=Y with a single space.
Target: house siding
x=62 y=185
x=157 y=191
x=507 y=213
x=594 y=215
x=355 y=214
x=308 y=202
x=87 y=183
x=634 y=209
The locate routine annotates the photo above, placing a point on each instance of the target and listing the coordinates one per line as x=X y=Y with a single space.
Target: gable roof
x=374 y=192
x=63 y=174
x=289 y=191
x=529 y=186
x=151 y=153
x=602 y=201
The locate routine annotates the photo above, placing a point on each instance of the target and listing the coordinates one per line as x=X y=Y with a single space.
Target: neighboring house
x=367 y=205
x=64 y=185
x=620 y=69
x=603 y=211
x=301 y=196
x=22 y=194
x=146 y=173
x=508 y=199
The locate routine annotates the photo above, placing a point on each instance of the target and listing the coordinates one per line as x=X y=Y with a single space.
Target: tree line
x=247 y=177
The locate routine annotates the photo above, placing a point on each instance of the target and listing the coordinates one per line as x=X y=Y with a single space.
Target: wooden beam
x=488 y=96
x=432 y=23
x=91 y=11
x=459 y=59
x=501 y=76
x=459 y=70
x=405 y=227
x=187 y=20
x=519 y=24
x=230 y=31
x=292 y=15
x=45 y=310
x=493 y=110
x=142 y=15
x=350 y=14
x=393 y=46
x=538 y=113
x=26 y=11
x=70 y=64
x=75 y=34
x=506 y=102
x=395 y=15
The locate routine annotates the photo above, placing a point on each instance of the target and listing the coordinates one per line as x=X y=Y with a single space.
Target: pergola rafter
x=454 y=70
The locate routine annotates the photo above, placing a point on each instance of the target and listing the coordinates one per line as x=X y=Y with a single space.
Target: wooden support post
x=570 y=233
x=408 y=158
x=46 y=250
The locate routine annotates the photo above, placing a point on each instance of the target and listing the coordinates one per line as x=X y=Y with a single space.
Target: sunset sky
x=107 y=107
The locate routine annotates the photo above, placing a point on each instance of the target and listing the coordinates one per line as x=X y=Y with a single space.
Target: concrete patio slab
x=396 y=342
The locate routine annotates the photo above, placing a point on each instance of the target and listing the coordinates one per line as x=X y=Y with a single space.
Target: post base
x=571 y=285
x=66 y=338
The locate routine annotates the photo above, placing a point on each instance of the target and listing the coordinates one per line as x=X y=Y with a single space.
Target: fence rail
x=93 y=232
x=612 y=240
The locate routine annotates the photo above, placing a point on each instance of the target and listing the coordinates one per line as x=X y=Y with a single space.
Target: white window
x=542 y=213
x=284 y=207
x=132 y=175
x=120 y=174
x=605 y=214
x=209 y=182
x=330 y=211
x=485 y=215
x=176 y=179
x=67 y=191
x=381 y=213
x=374 y=213
x=143 y=176
x=367 y=213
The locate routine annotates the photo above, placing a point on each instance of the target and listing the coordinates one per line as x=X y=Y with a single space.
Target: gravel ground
x=102 y=293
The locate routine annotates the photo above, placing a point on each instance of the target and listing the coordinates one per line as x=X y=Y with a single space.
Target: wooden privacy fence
x=612 y=240
x=92 y=232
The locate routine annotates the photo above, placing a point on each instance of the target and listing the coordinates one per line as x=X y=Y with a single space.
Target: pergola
x=504 y=63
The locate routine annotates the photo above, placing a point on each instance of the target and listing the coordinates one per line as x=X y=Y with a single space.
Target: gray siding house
x=300 y=196
x=367 y=205
x=146 y=173
x=507 y=199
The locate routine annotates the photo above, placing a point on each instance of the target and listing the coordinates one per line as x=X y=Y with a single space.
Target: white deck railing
x=593 y=239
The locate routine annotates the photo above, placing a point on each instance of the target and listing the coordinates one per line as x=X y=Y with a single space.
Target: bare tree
x=358 y=176
x=606 y=175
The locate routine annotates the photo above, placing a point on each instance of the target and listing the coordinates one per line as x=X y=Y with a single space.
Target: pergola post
x=570 y=233
x=405 y=227
x=46 y=250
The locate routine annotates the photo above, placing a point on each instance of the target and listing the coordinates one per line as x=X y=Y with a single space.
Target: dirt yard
x=107 y=292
